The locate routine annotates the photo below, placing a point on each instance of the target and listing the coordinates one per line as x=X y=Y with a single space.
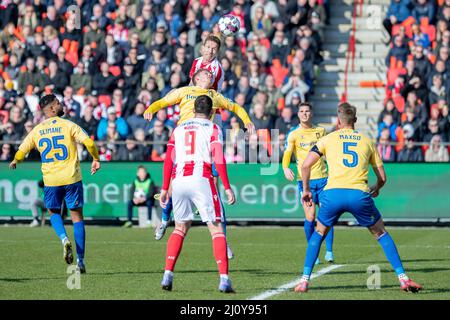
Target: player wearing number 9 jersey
x=55 y=139
x=349 y=154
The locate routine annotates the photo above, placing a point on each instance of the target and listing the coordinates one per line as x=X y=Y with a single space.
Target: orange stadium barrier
x=371 y=84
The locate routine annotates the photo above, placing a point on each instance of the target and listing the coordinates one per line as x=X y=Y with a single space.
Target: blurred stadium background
x=389 y=58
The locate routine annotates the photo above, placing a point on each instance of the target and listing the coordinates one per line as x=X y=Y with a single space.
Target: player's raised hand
x=230 y=196
x=148 y=116
x=307 y=198
x=250 y=128
x=288 y=174
x=13 y=165
x=95 y=166
x=163 y=198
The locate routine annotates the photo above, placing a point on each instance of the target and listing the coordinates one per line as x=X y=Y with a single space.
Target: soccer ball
x=139 y=194
x=229 y=25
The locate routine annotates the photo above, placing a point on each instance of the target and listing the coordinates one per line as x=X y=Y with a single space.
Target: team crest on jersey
x=54 y=121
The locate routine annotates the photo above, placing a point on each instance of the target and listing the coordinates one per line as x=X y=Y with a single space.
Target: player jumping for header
x=192 y=149
x=186 y=96
x=55 y=139
x=348 y=154
x=300 y=139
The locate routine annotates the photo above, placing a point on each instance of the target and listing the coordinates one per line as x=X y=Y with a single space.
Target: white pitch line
x=292 y=284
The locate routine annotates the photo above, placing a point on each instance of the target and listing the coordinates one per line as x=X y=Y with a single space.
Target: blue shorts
x=316 y=186
x=214 y=170
x=72 y=193
x=335 y=202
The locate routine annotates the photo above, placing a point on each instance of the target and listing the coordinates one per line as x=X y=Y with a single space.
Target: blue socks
x=309 y=229
x=167 y=211
x=312 y=252
x=329 y=239
x=80 y=238
x=390 y=250
x=58 y=225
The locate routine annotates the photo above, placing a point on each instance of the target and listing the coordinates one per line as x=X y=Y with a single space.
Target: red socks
x=220 y=252
x=174 y=246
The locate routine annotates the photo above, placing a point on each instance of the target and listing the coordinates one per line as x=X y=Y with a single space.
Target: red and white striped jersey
x=214 y=67
x=193 y=141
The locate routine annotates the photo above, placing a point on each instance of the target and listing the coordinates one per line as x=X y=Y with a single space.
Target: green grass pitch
x=128 y=264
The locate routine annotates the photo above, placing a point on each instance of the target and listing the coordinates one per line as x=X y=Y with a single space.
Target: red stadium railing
x=351 y=47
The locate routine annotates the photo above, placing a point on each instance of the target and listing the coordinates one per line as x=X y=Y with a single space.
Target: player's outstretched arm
x=238 y=110
x=173 y=97
x=24 y=148
x=93 y=151
x=381 y=181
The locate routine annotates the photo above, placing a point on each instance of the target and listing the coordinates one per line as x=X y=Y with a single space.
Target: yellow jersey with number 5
x=300 y=141
x=348 y=153
x=55 y=139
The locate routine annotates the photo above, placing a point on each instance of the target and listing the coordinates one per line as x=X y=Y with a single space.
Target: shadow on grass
x=21 y=280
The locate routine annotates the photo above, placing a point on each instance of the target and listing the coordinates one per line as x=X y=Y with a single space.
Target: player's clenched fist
x=148 y=116
x=95 y=166
x=230 y=196
x=307 y=198
x=163 y=198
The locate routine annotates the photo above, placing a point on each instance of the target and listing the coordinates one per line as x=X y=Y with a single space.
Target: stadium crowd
x=126 y=54
x=416 y=108
x=123 y=55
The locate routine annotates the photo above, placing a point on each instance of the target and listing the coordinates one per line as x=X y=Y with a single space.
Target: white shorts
x=199 y=191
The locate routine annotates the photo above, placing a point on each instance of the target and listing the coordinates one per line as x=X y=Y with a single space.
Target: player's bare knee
x=321 y=229
x=215 y=227
x=183 y=226
x=378 y=229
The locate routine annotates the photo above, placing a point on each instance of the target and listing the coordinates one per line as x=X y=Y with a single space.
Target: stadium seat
x=115 y=70
x=399 y=102
x=105 y=99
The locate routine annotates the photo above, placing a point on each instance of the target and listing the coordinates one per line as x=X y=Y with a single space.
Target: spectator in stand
x=88 y=122
x=420 y=39
x=38 y=48
x=421 y=62
x=144 y=33
x=444 y=122
x=31 y=77
x=439 y=68
x=131 y=151
x=94 y=33
x=433 y=129
x=398 y=11
x=437 y=90
x=171 y=19
x=137 y=121
x=410 y=152
x=273 y=94
x=63 y=65
x=286 y=121
x=388 y=123
x=261 y=21
x=385 y=148
x=159 y=135
x=120 y=125
x=295 y=86
x=80 y=80
x=71 y=104
x=104 y=82
x=399 y=50
x=52 y=19
x=279 y=48
x=423 y=9
x=260 y=118
x=56 y=79
x=389 y=108
x=436 y=151
x=419 y=110
x=7 y=154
